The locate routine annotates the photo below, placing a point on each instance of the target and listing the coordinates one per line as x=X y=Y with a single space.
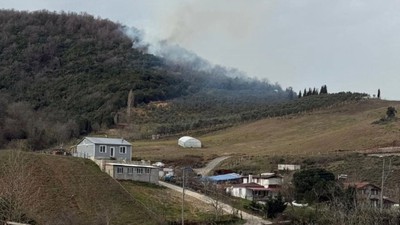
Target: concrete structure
x=124 y=171
x=269 y=180
x=288 y=167
x=189 y=142
x=252 y=191
x=104 y=148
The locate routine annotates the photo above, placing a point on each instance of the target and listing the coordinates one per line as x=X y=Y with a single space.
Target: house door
x=112 y=151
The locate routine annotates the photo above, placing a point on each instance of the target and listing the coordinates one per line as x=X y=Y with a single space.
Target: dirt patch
x=194 y=161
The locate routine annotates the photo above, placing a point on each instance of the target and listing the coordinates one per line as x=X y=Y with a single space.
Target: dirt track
x=210 y=165
x=250 y=219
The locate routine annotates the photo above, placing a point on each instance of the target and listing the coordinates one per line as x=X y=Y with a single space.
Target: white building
x=252 y=191
x=288 y=167
x=104 y=148
x=189 y=142
x=124 y=171
x=267 y=180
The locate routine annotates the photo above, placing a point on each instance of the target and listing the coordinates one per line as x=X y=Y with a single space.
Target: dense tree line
x=314 y=91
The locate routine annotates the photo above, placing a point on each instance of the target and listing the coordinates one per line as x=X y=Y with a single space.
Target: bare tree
x=131 y=99
x=19 y=194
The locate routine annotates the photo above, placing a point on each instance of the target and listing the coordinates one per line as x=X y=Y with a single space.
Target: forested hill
x=60 y=74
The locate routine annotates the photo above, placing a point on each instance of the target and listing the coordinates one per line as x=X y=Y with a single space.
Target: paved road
x=250 y=219
x=210 y=165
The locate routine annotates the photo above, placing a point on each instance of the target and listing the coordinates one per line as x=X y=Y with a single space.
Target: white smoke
x=183 y=24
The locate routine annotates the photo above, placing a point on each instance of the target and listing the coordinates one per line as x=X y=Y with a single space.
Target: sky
x=348 y=45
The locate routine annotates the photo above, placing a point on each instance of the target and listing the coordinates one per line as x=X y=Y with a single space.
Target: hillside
x=339 y=128
x=47 y=189
x=65 y=190
x=73 y=72
x=335 y=138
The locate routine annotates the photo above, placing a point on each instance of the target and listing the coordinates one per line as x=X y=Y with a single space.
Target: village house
x=104 y=148
x=124 y=171
x=267 y=180
x=252 y=191
x=370 y=193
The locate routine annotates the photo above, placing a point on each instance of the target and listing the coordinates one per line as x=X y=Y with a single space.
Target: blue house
x=104 y=148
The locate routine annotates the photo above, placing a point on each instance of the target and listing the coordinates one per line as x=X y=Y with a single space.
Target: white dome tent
x=189 y=142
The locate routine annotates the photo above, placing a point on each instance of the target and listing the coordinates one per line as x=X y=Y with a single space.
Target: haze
x=349 y=45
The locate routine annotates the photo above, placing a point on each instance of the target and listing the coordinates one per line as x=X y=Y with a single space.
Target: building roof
x=248 y=185
x=359 y=185
x=108 y=141
x=265 y=176
x=225 y=177
x=186 y=138
x=131 y=165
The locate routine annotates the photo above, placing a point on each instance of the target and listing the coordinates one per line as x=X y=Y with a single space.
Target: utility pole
x=383 y=177
x=183 y=195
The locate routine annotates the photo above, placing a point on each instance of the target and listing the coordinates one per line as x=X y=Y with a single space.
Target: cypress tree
x=379 y=93
x=309 y=92
x=299 y=96
x=314 y=92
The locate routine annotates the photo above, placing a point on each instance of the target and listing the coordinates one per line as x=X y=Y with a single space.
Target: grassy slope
x=168 y=203
x=345 y=127
x=75 y=191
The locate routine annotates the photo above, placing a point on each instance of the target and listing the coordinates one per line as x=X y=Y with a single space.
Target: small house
x=266 y=180
x=189 y=142
x=252 y=191
x=124 y=171
x=370 y=193
x=104 y=148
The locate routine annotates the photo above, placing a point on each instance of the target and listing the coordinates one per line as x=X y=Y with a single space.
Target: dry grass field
x=342 y=128
x=327 y=138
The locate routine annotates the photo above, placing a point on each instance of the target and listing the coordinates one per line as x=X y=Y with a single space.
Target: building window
x=120 y=170
x=122 y=149
x=147 y=170
x=139 y=170
x=130 y=170
x=102 y=149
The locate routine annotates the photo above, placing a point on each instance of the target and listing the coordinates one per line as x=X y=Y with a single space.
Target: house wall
x=263 y=182
x=241 y=192
x=371 y=191
x=85 y=149
x=151 y=177
x=119 y=156
x=270 y=181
